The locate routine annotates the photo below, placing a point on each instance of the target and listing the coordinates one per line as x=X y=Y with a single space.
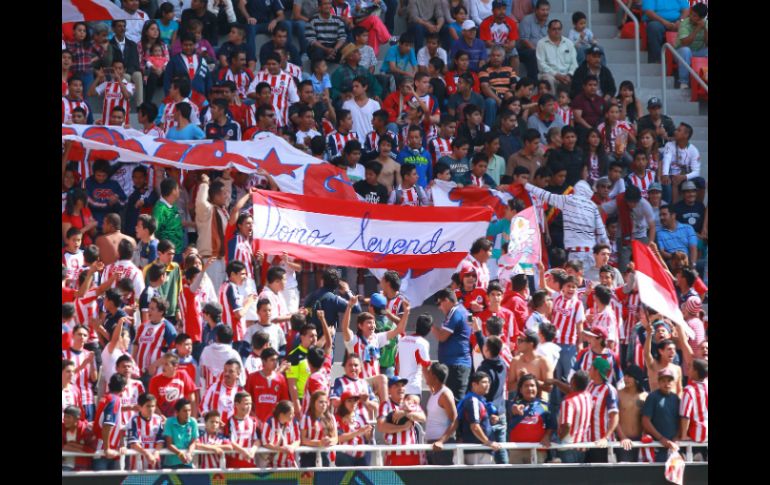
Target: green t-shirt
x=685 y=29
x=181 y=437
x=169 y=224
x=300 y=369
x=170 y=288
x=388 y=352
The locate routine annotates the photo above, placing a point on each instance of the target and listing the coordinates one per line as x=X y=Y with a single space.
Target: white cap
x=469 y=25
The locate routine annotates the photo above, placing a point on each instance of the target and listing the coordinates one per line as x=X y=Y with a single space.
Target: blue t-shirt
x=663 y=411
x=477 y=51
x=422 y=160
x=148 y=252
x=99 y=197
x=319 y=86
x=404 y=62
x=167 y=31
x=189 y=132
x=670 y=10
x=456 y=350
x=263 y=10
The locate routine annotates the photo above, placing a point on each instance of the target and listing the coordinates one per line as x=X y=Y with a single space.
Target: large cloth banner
x=524 y=246
x=656 y=289
x=364 y=235
x=90 y=10
x=294 y=171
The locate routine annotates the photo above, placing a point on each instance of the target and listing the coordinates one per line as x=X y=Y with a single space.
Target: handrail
x=588 y=13
x=679 y=58
x=459 y=448
x=636 y=43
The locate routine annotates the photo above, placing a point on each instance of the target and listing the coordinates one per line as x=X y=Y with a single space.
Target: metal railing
x=378 y=450
x=681 y=62
x=637 y=49
x=588 y=13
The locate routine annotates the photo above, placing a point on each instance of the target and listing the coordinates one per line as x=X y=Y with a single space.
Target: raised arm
x=347 y=334
x=401 y=328
x=555 y=200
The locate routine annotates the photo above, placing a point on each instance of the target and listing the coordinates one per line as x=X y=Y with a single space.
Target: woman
x=630 y=105
x=617 y=136
x=649 y=143
x=318 y=429
x=530 y=421
x=83 y=54
x=153 y=73
x=479 y=10
x=76 y=214
x=461 y=64
x=595 y=156
x=281 y=433
x=68 y=179
x=352 y=429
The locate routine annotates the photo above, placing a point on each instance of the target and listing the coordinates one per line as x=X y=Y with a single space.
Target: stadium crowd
x=178 y=335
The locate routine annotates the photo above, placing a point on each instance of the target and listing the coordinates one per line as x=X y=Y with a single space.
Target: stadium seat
x=627 y=32
x=670 y=61
x=701 y=66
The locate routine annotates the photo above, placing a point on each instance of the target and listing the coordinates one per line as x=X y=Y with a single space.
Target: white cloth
x=273 y=331
x=549 y=351
x=213 y=359
x=362 y=115
x=408 y=368
x=423 y=56
x=678 y=161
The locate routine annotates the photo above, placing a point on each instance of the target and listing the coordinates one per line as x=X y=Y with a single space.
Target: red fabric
x=402 y=460
x=68 y=295
x=67 y=31
x=83 y=436
x=451 y=84
x=627 y=32
x=485 y=31
x=529 y=430
x=168 y=390
x=516 y=303
x=700 y=287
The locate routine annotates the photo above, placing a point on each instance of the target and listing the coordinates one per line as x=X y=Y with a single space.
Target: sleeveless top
x=436 y=421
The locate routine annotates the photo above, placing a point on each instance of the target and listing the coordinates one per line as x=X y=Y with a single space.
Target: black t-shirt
x=690 y=214
x=374 y=194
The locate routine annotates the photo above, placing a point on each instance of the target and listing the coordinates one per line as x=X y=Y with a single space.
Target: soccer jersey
x=70 y=396
x=239 y=248
x=565 y=316
x=152 y=340
x=210 y=460
x=109 y=412
x=406 y=437
x=607 y=320
x=318 y=381
x=130 y=398
x=146 y=433
x=284 y=93
x=369 y=350
x=74 y=263
x=167 y=119
x=220 y=398
x=695 y=406
x=642 y=183
x=232 y=301
x=440 y=147
x=620 y=127
x=82 y=379
x=565 y=115
x=585 y=358
x=604 y=402
x=266 y=392
x=68 y=105
x=190 y=307
x=336 y=142
x=242 y=80
x=482 y=271
x=357 y=422
x=409 y=367
x=169 y=390
x=125 y=268
x=278 y=306
x=277 y=434
x=355 y=386
x=113 y=97
x=575 y=411
x=244 y=432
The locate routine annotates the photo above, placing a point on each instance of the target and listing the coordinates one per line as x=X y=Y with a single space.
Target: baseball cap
x=689 y=185
x=665 y=372
x=466 y=269
x=596 y=331
x=469 y=25
x=636 y=373
x=73 y=411
x=601 y=365
x=378 y=301
x=655 y=186
x=498 y=4
x=349 y=394
x=594 y=49
x=654 y=102
x=397 y=380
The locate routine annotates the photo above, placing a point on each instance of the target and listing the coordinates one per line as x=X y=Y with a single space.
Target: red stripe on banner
x=91 y=10
x=646 y=262
x=322 y=205
x=360 y=259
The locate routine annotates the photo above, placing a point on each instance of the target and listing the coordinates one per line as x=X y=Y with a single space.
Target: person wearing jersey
x=318 y=428
x=352 y=426
x=70 y=393
x=605 y=414
x=178 y=92
x=75 y=100
x=154 y=337
x=531 y=420
x=350 y=382
x=597 y=348
x=267 y=386
x=144 y=434
x=396 y=421
x=211 y=438
x=234 y=305
x=109 y=426
x=242 y=429
x=220 y=397
x=409 y=192
x=414 y=355
x=299 y=370
x=171 y=386
x=282 y=86
x=567 y=316
x=694 y=409
x=116 y=93
x=475 y=417
x=86 y=372
x=77 y=436
x=281 y=433
x=602 y=315
x=129 y=398
x=575 y=417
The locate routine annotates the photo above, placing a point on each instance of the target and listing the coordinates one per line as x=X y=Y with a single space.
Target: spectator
x=425 y=17
x=569 y=155
x=475 y=420
x=588 y=107
x=592 y=66
x=396 y=420
x=556 y=57
x=530 y=156
x=299 y=370
x=128 y=51
x=637 y=220
x=662 y=126
x=279 y=40
x=76 y=436
x=529 y=361
x=212 y=439
x=214 y=357
x=145 y=435
x=73 y=103
x=693 y=412
x=138 y=19
x=662 y=16
x=510 y=135
x=109 y=242
x=574 y=417
x=83 y=53
x=689 y=210
x=350 y=69
x=494 y=367
x=583 y=38
x=498 y=29
x=220 y=397
x=262 y=17
x=352 y=427
x=243 y=431
x=453 y=335
x=496 y=80
x=604 y=416
x=692 y=40
x=660 y=414
x=546 y=118
x=531 y=30
x=198 y=11
x=318 y=429
x=476 y=49
x=281 y=433
x=430 y=51
x=189 y=64
x=109 y=425
x=681 y=162
x=325 y=34
x=181 y=434
x=441 y=414
x=78 y=216
x=531 y=420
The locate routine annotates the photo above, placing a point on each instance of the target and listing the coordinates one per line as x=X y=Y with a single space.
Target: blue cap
x=397 y=380
x=378 y=301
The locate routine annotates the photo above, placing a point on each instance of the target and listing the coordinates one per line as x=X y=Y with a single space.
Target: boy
x=181 y=434
x=390 y=176
x=369 y=188
x=464 y=96
x=379 y=130
x=171 y=386
x=408 y=192
x=212 y=439
x=243 y=433
x=496 y=168
x=221 y=126
x=117 y=92
x=73 y=101
x=305 y=128
x=337 y=139
x=234 y=305
x=582 y=37
x=640 y=177
x=172 y=285
x=183 y=345
x=72 y=257
x=429 y=51
x=145 y=435
x=473 y=128
x=351 y=154
x=603 y=315
x=615 y=175
x=253 y=363
x=276 y=335
x=458 y=159
x=368 y=56
x=414 y=354
x=104 y=196
x=568 y=316
x=564 y=112
x=234 y=43
x=441 y=146
x=141 y=200
x=400 y=61
x=417 y=156
x=153 y=337
x=156 y=276
x=478 y=176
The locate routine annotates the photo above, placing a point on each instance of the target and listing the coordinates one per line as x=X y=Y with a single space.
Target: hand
x=139 y=203
x=671 y=445
x=204 y=178
x=494 y=419
x=523 y=371
x=517 y=409
x=285 y=257
x=627 y=444
x=326 y=442
x=320 y=313
x=506 y=237
x=475 y=307
x=284 y=366
x=495 y=446
x=475 y=325
x=260 y=256
x=602 y=443
x=438 y=445
x=252 y=21
x=630 y=267
x=344 y=287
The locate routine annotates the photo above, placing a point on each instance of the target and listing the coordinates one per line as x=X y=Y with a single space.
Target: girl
x=318 y=429
x=616 y=135
x=630 y=105
x=596 y=158
x=461 y=64
x=151 y=37
x=460 y=14
x=564 y=111
x=167 y=25
x=352 y=429
x=649 y=143
x=281 y=433
x=530 y=420
x=77 y=214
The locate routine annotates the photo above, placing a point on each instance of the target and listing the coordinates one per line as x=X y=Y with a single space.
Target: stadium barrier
x=693 y=75
x=637 y=49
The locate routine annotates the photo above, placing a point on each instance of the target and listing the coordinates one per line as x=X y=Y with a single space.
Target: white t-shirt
x=356 y=173
x=408 y=368
x=108 y=366
x=273 y=331
x=549 y=351
x=362 y=115
x=641 y=215
x=311 y=133
x=423 y=57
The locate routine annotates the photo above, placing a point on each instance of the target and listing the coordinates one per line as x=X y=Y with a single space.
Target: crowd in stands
x=177 y=335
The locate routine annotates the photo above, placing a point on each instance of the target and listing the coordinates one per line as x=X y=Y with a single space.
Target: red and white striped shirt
x=126 y=269
x=565 y=114
x=608 y=321
x=146 y=433
x=109 y=412
x=630 y=305
x=130 y=397
x=210 y=460
x=67 y=105
x=620 y=126
x=220 y=398
x=695 y=406
x=643 y=183
x=482 y=271
x=113 y=96
x=150 y=342
x=566 y=314
x=231 y=300
x=407 y=437
x=167 y=121
x=155 y=131
x=605 y=402
x=70 y=396
x=244 y=432
x=74 y=264
x=81 y=379
x=440 y=147
x=370 y=357
x=340 y=141
x=284 y=93
x=244 y=250
x=357 y=422
x=293 y=70
x=394 y=304
x=242 y=80
x=314 y=427
x=190 y=307
x=277 y=434
x=86 y=309
x=357 y=387
x=575 y=411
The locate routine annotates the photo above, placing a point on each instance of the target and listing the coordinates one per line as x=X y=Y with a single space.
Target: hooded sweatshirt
x=497 y=372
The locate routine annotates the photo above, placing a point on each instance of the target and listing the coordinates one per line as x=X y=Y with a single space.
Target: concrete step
x=699 y=123
x=628 y=69
x=575 y=5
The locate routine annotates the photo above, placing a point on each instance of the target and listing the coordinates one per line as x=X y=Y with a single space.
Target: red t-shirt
x=266 y=394
x=68 y=295
x=531 y=429
x=79 y=222
x=168 y=390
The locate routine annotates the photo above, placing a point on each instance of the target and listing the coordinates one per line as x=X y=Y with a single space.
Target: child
x=167 y=25
x=582 y=37
x=305 y=128
x=390 y=176
x=473 y=299
x=401 y=60
x=473 y=128
x=351 y=154
x=379 y=129
x=104 y=196
x=369 y=188
x=615 y=175
x=212 y=439
x=460 y=15
x=478 y=176
x=235 y=41
x=408 y=192
x=543 y=87
x=440 y=172
x=337 y=139
x=147 y=247
x=275 y=334
x=141 y=200
x=612 y=226
x=414 y=354
x=564 y=111
x=320 y=77
x=183 y=346
x=496 y=168
x=436 y=68
x=368 y=54
x=458 y=159
x=640 y=177
x=72 y=257
x=117 y=92
x=145 y=434
x=156 y=60
x=441 y=146
x=429 y=51
x=414 y=153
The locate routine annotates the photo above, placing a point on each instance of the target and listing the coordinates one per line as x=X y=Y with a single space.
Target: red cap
x=596 y=331
x=466 y=269
x=349 y=395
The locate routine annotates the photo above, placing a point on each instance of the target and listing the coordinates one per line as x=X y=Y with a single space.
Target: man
x=602 y=254
x=325 y=34
x=215 y=356
x=350 y=69
x=85 y=374
x=496 y=80
x=476 y=49
x=262 y=17
x=637 y=221
x=424 y=16
x=501 y=30
x=531 y=30
x=660 y=415
x=593 y=66
x=361 y=107
x=510 y=135
x=327 y=299
x=299 y=370
x=574 y=417
x=153 y=338
x=660 y=124
x=77 y=436
x=221 y=396
x=178 y=92
x=464 y=95
x=111 y=238
x=569 y=154
x=630 y=401
x=172 y=286
x=662 y=16
x=604 y=413
x=279 y=40
x=166 y=214
x=681 y=162
x=238 y=73
x=689 y=210
x=221 y=126
x=556 y=58
x=127 y=51
x=211 y=220
x=694 y=410
x=172 y=385
x=692 y=40
x=453 y=335
x=545 y=118
x=190 y=65
x=116 y=93
x=475 y=418
x=435 y=377
x=138 y=19
x=588 y=106
x=199 y=12
x=530 y=156
x=273 y=292
x=70 y=393
x=674 y=236
x=266 y=120
x=74 y=99
x=527 y=361
x=181 y=434
x=282 y=85
x=109 y=427
x=395 y=430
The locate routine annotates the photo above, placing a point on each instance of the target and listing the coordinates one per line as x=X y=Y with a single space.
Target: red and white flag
x=656 y=289
x=363 y=235
x=674 y=471
x=91 y=10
